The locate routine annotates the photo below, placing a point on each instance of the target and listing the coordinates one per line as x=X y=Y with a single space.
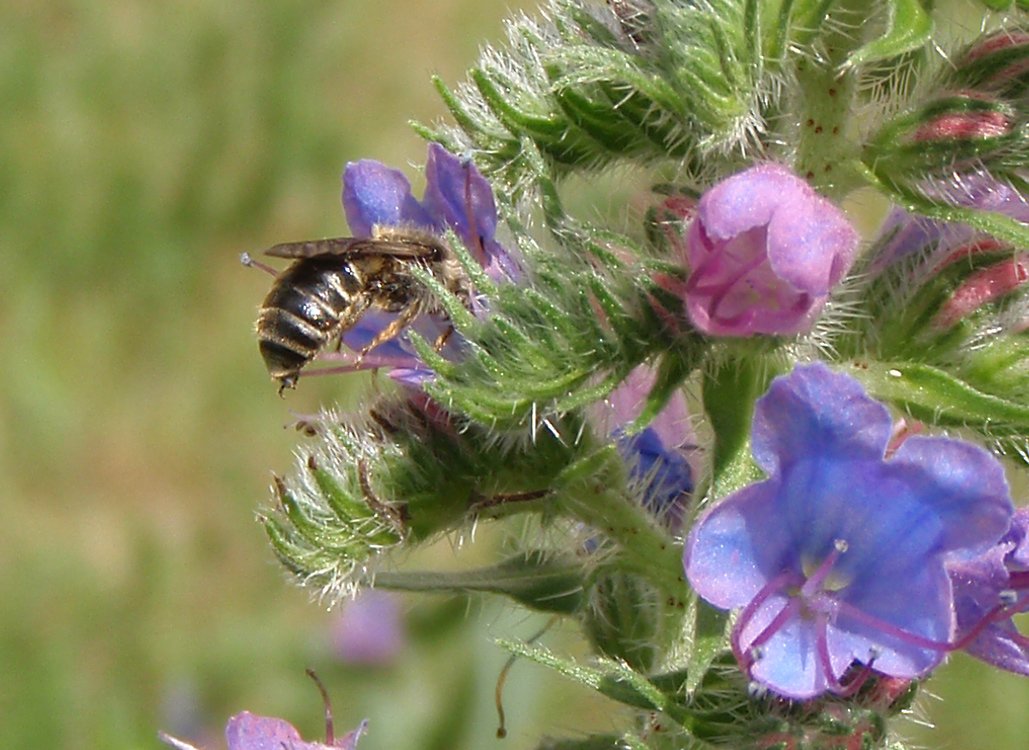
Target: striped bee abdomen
x=301 y=313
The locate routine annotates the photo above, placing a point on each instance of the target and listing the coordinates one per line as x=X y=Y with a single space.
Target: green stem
x=825 y=143
x=593 y=492
x=730 y=392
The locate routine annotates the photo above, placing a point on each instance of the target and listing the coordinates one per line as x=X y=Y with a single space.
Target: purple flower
x=764 y=252
x=904 y=234
x=658 y=455
x=988 y=591
x=458 y=198
x=247 y=731
x=369 y=630
x=839 y=555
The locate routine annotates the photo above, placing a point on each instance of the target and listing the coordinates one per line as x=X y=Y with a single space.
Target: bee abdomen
x=301 y=314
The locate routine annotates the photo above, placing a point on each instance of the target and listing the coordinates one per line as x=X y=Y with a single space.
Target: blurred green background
x=143 y=146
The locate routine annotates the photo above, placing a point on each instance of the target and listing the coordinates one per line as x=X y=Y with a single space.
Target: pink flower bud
x=970 y=125
x=989 y=284
x=997 y=61
x=764 y=252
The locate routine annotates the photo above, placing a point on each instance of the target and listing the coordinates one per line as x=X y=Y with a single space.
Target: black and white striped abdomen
x=302 y=311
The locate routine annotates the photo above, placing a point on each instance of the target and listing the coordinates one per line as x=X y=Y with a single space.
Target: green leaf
x=608 y=678
x=909 y=28
x=937 y=397
x=540 y=580
x=593 y=742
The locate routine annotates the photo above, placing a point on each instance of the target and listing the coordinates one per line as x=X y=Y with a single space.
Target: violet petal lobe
x=817 y=406
x=748 y=200
x=459 y=197
x=967 y=488
x=984 y=585
x=247 y=731
x=723 y=563
x=375 y=194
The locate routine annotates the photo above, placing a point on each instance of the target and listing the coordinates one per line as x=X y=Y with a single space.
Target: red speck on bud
x=981 y=287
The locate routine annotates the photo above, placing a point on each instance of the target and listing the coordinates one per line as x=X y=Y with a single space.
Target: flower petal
x=788 y=661
x=458 y=196
x=247 y=731
x=375 y=194
x=889 y=597
x=816 y=409
x=966 y=487
x=724 y=562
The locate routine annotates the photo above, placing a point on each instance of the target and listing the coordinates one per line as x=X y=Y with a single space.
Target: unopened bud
x=965 y=117
x=983 y=286
x=998 y=62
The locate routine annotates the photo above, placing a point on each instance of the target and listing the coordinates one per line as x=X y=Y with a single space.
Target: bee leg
x=394 y=329
x=349 y=319
x=442 y=339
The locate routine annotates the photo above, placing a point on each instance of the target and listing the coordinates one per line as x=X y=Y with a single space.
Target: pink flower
x=764 y=252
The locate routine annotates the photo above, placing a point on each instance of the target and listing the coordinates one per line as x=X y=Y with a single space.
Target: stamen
x=776 y=585
x=997 y=614
x=825 y=660
x=892 y=630
x=859 y=680
x=813 y=585
x=787 y=612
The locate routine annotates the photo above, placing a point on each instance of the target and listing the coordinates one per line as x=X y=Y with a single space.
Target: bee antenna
x=248 y=260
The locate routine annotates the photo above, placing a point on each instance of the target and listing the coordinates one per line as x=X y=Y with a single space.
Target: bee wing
x=352 y=247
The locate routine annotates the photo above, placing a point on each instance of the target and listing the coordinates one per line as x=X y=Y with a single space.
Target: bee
x=333 y=282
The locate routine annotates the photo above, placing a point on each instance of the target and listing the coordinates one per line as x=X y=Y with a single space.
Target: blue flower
x=839 y=555
x=657 y=456
x=988 y=591
x=457 y=198
x=904 y=234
